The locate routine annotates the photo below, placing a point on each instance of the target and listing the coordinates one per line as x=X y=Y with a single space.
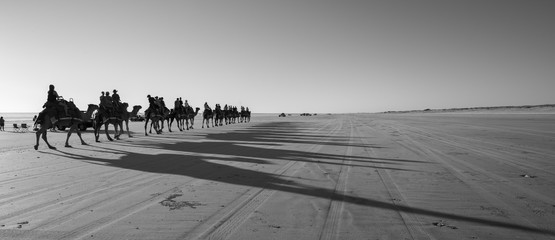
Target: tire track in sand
x=223 y=223
x=331 y=226
x=457 y=169
x=497 y=156
x=412 y=221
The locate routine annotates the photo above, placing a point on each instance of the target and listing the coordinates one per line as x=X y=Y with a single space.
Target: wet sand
x=352 y=176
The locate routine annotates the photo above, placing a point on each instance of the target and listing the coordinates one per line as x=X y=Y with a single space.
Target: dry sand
x=360 y=176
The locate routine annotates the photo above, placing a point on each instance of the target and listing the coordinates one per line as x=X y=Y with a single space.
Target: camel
x=207 y=115
x=104 y=118
x=179 y=115
x=173 y=116
x=47 y=119
x=245 y=116
x=156 y=118
x=218 y=116
x=170 y=118
x=190 y=116
x=231 y=115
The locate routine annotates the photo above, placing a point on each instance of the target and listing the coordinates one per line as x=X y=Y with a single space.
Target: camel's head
x=93 y=107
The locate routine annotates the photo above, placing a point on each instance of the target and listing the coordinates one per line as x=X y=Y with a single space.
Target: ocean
x=18 y=118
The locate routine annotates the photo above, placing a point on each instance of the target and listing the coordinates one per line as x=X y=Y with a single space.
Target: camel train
x=61 y=114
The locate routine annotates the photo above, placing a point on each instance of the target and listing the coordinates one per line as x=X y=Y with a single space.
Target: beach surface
x=350 y=176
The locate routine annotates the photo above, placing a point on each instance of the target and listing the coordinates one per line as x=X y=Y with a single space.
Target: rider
x=116 y=99
x=101 y=97
x=162 y=103
x=206 y=107
x=52 y=99
x=107 y=103
x=152 y=104
x=178 y=105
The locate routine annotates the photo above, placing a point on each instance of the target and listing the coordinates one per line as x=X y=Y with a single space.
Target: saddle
x=57 y=111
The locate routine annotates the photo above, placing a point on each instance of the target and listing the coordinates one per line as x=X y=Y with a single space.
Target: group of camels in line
x=184 y=117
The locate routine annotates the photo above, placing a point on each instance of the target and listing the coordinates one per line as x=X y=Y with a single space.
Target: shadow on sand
x=197 y=161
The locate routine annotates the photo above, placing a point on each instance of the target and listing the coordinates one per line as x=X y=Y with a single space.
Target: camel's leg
x=146 y=124
x=106 y=131
x=46 y=140
x=151 y=125
x=76 y=129
x=38 y=133
x=159 y=127
x=68 y=135
x=119 y=130
x=127 y=127
x=81 y=137
x=97 y=127
x=170 y=125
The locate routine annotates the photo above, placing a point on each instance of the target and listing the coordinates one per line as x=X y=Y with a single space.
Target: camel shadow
x=209 y=168
x=216 y=157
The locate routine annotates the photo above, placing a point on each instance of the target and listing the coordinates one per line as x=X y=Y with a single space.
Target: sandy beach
x=351 y=176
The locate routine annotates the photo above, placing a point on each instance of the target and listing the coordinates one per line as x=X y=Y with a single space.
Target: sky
x=292 y=56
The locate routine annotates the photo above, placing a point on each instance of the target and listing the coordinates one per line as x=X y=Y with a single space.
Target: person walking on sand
x=1 y=123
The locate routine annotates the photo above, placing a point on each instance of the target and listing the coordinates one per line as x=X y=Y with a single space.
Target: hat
x=115 y=90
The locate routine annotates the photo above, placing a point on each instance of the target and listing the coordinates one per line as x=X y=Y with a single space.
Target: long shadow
x=239 y=143
x=286 y=132
x=200 y=167
x=196 y=160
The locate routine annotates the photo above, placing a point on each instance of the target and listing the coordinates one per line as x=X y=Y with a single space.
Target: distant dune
x=545 y=108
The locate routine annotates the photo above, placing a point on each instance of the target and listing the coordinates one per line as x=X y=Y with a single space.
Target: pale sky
x=280 y=56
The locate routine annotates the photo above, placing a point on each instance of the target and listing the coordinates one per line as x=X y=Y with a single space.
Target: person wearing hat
x=101 y=98
x=115 y=99
x=152 y=103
